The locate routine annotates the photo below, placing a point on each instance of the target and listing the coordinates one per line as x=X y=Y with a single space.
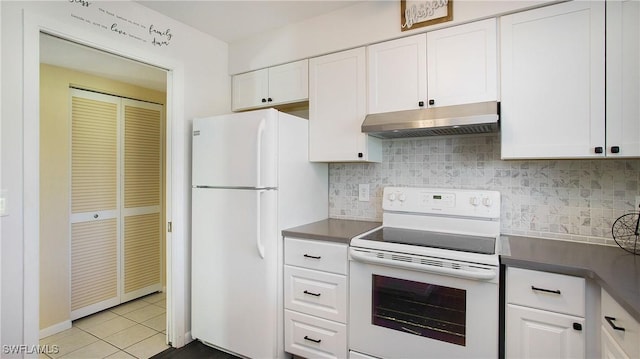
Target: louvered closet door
x=94 y=203
x=142 y=198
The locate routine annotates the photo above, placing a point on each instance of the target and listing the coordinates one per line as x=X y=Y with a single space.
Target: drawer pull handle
x=312 y=257
x=312 y=340
x=311 y=293
x=557 y=291
x=612 y=324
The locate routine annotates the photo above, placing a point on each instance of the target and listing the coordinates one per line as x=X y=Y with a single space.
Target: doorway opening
x=64 y=65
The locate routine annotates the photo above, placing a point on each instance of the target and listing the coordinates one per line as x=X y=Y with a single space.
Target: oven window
x=422 y=309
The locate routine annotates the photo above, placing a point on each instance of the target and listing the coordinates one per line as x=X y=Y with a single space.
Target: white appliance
x=251 y=178
x=425 y=284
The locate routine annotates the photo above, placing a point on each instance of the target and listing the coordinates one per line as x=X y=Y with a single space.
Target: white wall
x=200 y=83
x=361 y=24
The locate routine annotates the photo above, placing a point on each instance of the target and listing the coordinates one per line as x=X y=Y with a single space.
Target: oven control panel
x=456 y=202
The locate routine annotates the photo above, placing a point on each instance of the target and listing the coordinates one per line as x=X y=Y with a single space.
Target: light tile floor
x=135 y=329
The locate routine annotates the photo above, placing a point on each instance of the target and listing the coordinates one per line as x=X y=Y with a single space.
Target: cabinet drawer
x=324 y=256
x=627 y=339
x=312 y=337
x=549 y=291
x=316 y=293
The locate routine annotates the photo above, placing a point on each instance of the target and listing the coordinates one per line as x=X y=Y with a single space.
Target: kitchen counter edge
x=331 y=230
x=615 y=270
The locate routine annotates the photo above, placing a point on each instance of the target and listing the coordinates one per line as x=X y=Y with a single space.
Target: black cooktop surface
x=456 y=242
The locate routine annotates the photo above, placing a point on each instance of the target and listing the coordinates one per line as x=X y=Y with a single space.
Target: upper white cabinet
x=462 y=64
x=553 y=81
x=397 y=74
x=278 y=85
x=623 y=78
x=440 y=68
x=337 y=107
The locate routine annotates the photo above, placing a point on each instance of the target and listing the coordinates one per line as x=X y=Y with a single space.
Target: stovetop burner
x=449 y=241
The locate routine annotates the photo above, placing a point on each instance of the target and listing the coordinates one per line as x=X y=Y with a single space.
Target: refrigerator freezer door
x=235 y=270
x=236 y=150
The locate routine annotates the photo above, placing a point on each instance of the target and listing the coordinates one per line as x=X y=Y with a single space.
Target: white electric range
x=426 y=282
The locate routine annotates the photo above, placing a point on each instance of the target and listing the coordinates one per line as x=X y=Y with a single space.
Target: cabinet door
x=397 y=74
x=289 y=83
x=610 y=349
x=552 y=87
x=620 y=325
x=462 y=64
x=250 y=90
x=337 y=101
x=623 y=78
x=534 y=333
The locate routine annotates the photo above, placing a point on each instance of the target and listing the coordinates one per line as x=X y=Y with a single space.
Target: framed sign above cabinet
x=420 y=13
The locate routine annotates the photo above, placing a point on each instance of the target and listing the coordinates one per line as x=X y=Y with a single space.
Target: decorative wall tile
x=558 y=199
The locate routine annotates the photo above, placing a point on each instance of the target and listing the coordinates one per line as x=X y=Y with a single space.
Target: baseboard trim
x=54 y=329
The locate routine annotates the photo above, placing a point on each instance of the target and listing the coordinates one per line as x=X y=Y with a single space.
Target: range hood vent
x=482 y=117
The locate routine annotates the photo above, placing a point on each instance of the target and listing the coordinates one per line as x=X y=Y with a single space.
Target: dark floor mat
x=195 y=349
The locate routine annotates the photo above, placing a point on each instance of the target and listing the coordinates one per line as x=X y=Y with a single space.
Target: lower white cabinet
x=315 y=298
x=545 y=315
x=535 y=333
x=610 y=347
x=318 y=293
x=620 y=331
x=314 y=337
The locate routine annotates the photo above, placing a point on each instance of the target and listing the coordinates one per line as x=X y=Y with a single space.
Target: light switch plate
x=363 y=192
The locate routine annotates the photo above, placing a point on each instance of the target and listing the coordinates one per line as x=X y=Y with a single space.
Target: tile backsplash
x=558 y=199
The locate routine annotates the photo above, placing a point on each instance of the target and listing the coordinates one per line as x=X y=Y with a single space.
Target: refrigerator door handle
x=261 y=128
x=259 y=244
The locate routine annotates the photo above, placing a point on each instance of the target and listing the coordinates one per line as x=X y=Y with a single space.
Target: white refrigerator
x=251 y=178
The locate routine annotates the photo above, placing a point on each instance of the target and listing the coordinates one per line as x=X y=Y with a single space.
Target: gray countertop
x=334 y=230
x=615 y=270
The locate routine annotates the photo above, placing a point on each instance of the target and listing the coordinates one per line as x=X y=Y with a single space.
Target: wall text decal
x=100 y=17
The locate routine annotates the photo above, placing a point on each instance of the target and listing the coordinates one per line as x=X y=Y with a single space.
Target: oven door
x=405 y=313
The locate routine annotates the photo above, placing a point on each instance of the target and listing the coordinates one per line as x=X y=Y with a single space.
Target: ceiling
x=233 y=20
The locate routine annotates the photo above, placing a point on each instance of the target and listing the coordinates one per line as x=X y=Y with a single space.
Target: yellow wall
x=54 y=179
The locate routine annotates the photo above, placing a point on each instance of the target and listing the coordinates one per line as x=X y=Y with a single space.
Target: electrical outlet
x=363 y=192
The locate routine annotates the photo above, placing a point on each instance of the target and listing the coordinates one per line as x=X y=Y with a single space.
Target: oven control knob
x=474 y=201
x=402 y=197
x=392 y=197
x=487 y=202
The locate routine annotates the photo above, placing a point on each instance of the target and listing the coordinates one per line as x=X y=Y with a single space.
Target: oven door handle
x=483 y=274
